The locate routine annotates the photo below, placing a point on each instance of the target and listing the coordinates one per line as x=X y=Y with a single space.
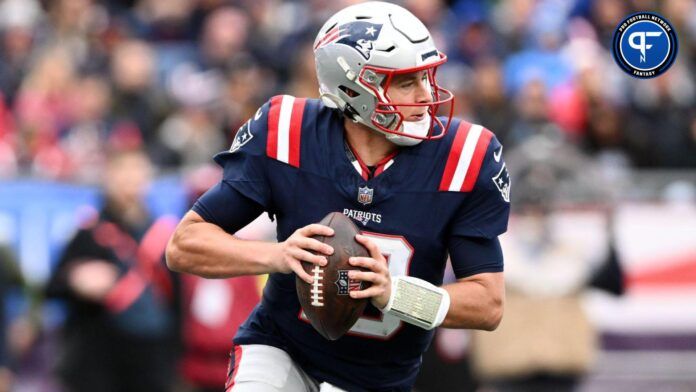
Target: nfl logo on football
x=345 y=284
x=365 y=195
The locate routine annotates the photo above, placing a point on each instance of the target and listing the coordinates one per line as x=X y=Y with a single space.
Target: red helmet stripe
x=330 y=36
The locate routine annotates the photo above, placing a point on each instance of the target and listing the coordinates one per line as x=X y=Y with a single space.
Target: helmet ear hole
x=349 y=92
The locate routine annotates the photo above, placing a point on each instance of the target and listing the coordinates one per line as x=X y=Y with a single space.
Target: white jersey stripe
x=357 y=167
x=284 y=128
x=465 y=158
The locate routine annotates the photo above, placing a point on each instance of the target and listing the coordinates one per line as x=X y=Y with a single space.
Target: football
x=327 y=303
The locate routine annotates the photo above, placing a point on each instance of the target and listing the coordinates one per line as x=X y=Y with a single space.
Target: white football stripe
x=284 y=128
x=465 y=158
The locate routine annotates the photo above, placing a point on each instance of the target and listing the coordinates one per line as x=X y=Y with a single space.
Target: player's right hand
x=92 y=280
x=297 y=248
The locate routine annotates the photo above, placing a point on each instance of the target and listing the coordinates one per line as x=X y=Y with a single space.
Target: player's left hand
x=377 y=274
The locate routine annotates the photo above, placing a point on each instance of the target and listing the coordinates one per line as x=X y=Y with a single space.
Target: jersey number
x=398 y=253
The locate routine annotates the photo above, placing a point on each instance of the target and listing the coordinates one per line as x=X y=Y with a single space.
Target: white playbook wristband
x=417 y=302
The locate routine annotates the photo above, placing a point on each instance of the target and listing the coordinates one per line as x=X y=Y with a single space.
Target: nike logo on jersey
x=362 y=216
x=498 y=154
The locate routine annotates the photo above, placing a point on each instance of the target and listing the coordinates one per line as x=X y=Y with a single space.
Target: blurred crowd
x=178 y=77
x=81 y=80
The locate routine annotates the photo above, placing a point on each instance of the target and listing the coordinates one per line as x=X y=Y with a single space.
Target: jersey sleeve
x=484 y=212
x=244 y=164
x=227 y=208
x=472 y=255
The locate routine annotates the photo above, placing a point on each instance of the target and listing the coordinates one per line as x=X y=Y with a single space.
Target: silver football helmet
x=360 y=49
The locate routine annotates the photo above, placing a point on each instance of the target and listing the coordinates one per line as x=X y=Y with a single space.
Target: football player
x=420 y=186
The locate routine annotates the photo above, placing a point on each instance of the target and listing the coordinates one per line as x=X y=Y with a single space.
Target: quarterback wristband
x=417 y=302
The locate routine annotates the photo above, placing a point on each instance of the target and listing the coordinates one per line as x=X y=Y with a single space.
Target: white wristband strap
x=417 y=302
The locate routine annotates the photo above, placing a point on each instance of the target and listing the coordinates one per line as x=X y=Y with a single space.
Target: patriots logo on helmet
x=359 y=35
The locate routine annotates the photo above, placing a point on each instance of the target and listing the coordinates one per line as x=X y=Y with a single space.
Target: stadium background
x=603 y=165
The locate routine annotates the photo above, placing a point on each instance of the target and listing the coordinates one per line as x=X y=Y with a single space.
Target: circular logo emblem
x=644 y=45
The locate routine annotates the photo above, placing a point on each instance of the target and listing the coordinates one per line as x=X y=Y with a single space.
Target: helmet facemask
x=387 y=116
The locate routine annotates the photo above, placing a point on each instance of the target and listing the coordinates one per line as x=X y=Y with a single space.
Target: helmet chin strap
x=409 y=129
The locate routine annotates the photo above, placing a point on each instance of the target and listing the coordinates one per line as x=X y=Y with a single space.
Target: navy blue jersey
x=291 y=159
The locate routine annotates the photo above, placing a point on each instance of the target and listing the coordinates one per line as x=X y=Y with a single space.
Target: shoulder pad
x=465 y=157
x=274 y=131
x=284 y=128
x=250 y=138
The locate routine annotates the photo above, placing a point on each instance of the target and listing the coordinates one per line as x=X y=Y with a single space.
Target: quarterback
x=381 y=147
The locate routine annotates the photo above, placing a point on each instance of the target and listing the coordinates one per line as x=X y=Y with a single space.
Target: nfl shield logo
x=345 y=284
x=365 y=195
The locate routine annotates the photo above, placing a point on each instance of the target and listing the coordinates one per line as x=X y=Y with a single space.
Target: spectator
x=545 y=342
x=491 y=106
x=120 y=329
x=84 y=140
x=212 y=310
x=664 y=103
x=7 y=272
x=235 y=54
x=532 y=115
x=191 y=136
x=137 y=100
x=17 y=23
x=303 y=80
x=42 y=111
x=8 y=142
x=161 y=21
x=224 y=37
x=245 y=86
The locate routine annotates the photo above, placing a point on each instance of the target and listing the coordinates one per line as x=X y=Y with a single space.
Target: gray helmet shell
x=371 y=34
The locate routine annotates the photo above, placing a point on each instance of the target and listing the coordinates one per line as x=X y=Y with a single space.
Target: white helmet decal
x=359 y=35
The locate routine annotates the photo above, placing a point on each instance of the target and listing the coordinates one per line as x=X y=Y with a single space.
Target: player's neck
x=371 y=146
